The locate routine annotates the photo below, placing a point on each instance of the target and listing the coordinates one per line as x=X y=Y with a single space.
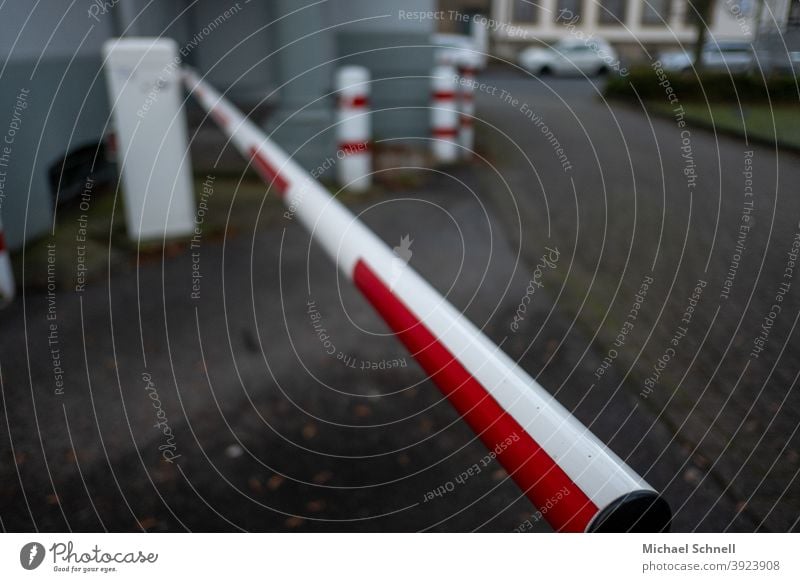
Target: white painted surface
x=444 y=113
x=145 y=94
x=353 y=168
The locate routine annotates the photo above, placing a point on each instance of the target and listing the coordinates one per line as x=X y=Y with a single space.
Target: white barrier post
x=446 y=57
x=143 y=76
x=577 y=482
x=444 y=114
x=7 y=285
x=466 y=135
x=354 y=167
x=479 y=33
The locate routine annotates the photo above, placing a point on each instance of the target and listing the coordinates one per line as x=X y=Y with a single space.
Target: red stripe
x=111 y=143
x=355 y=101
x=443 y=95
x=267 y=171
x=466 y=121
x=2 y=241
x=355 y=147
x=531 y=467
x=444 y=132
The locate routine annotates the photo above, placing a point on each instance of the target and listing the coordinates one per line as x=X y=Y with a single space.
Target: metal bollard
x=466 y=135
x=354 y=166
x=444 y=114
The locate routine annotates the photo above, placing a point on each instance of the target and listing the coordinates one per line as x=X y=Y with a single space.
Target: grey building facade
x=275 y=58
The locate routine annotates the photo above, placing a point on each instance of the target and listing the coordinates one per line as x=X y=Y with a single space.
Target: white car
x=733 y=56
x=590 y=56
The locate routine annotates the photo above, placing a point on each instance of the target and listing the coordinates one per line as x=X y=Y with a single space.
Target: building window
x=611 y=12
x=568 y=11
x=525 y=11
x=656 y=12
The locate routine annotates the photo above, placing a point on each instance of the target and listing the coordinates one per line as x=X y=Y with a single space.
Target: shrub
x=712 y=86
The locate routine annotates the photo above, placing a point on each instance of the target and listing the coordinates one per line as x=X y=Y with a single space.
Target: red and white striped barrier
x=7 y=285
x=577 y=482
x=354 y=168
x=444 y=114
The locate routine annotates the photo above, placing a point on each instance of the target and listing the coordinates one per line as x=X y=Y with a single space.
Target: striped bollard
x=466 y=133
x=7 y=285
x=444 y=114
x=574 y=479
x=354 y=167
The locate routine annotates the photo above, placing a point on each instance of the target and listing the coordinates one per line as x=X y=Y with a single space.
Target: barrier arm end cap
x=637 y=512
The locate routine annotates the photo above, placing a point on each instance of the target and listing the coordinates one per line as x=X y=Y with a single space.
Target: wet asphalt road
x=273 y=432
x=646 y=198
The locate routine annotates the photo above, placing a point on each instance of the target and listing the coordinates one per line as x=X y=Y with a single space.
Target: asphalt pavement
x=195 y=390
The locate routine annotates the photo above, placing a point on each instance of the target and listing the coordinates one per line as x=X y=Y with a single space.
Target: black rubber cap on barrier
x=636 y=512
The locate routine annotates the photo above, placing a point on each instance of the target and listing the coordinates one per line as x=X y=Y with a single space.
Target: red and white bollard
x=7 y=285
x=444 y=114
x=354 y=167
x=466 y=135
x=574 y=479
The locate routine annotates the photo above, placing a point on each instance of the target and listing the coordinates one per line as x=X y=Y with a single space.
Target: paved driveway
x=267 y=430
x=712 y=352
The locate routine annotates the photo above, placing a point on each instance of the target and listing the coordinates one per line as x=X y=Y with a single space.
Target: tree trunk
x=700 y=15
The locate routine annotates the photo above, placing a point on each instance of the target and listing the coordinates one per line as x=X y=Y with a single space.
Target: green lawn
x=759 y=121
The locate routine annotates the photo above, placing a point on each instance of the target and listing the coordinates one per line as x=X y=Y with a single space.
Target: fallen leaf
x=362 y=411
x=274 y=482
x=322 y=477
x=309 y=431
x=294 y=521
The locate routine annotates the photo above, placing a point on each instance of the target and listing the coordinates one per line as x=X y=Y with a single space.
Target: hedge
x=712 y=86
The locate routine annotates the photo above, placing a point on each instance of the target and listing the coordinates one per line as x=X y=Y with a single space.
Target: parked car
x=591 y=56
x=729 y=56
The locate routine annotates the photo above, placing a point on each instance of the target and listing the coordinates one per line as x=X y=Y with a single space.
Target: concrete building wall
x=51 y=55
x=253 y=49
x=381 y=15
x=47 y=28
x=236 y=52
x=145 y=18
x=397 y=50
